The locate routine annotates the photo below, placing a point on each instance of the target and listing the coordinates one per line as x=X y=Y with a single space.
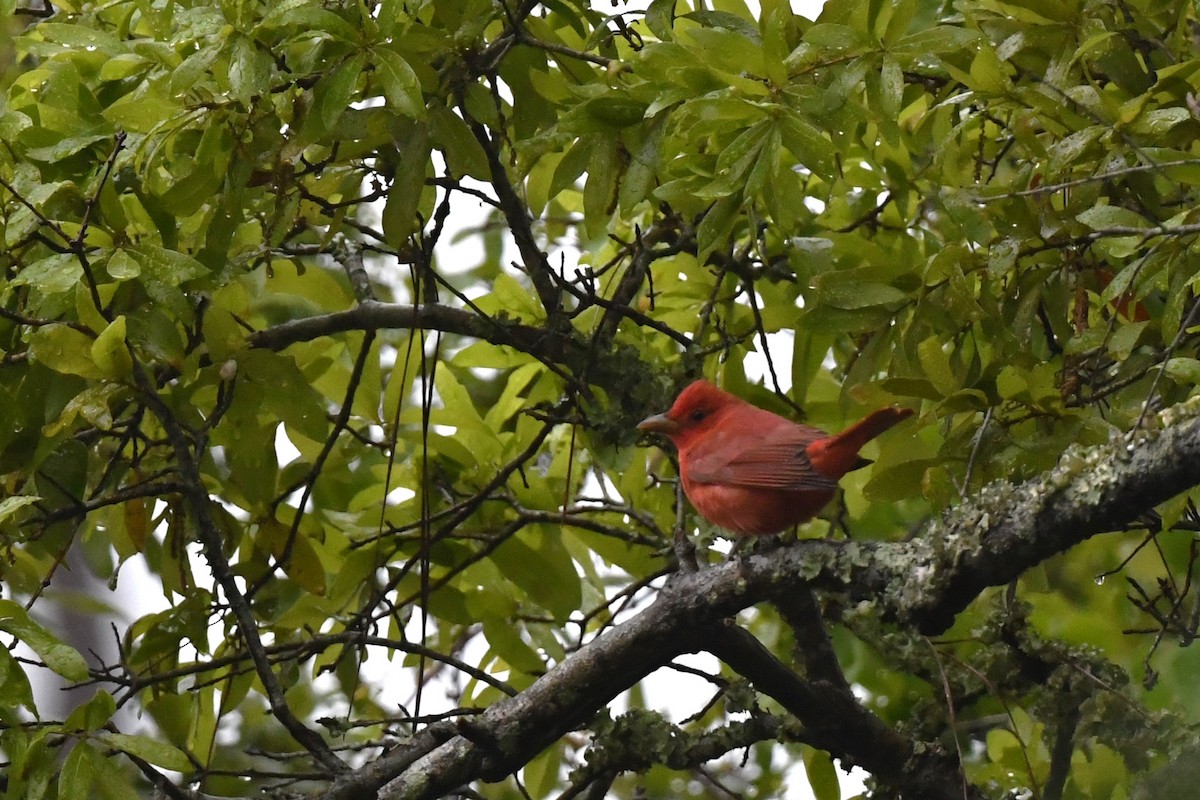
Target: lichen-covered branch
x=1006 y=529
x=643 y=384
x=923 y=582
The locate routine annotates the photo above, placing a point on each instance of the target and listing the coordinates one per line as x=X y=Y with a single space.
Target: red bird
x=753 y=472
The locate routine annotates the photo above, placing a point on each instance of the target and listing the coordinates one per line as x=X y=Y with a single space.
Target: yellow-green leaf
x=64 y=349
x=109 y=352
x=60 y=657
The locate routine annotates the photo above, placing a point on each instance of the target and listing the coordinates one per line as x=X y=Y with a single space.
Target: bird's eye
x=698 y=414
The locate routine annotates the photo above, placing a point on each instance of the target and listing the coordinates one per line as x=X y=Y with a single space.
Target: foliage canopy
x=226 y=225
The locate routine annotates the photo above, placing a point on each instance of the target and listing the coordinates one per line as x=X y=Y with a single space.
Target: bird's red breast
x=753 y=472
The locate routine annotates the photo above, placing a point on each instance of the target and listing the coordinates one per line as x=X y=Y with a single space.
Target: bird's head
x=695 y=411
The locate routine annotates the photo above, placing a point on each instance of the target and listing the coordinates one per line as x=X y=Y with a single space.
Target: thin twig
x=1183 y=328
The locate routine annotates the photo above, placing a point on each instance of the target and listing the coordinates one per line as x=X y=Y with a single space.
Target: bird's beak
x=659 y=423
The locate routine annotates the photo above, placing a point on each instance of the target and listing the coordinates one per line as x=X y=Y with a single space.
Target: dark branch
x=924 y=582
x=520 y=224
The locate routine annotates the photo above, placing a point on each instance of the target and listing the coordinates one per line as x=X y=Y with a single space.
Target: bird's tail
x=838 y=454
x=871 y=426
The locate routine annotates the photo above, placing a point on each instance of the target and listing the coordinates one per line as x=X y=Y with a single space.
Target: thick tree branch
x=802 y=612
x=924 y=582
x=565 y=351
x=1006 y=529
x=834 y=721
x=371 y=315
x=684 y=618
x=624 y=747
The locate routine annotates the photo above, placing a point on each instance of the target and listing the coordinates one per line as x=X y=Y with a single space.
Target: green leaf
x=453 y=137
x=775 y=27
x=899 y=481
x=333 y=93
x=62 y=658
x=400 y=212
x=1157 y=122
x=15 y=690
x=988 y=73
x=859 y=294
x=193 y=70
x=249 y=69
x=75 y=779
x=64 y=350
x=124 y=66
x=401 y=86
x=198 y=187
x=460 y=412
x=11 y=505
x=109 y=351
x=641 y=171
x=165 y=266
x=541 y=566
x=60 y=272
x=722 y=22
x=736 y=161
x=287 y=394
x=148 y=749
x=1104 y=217
x=512 y=298
x=822 y=775
x=616 y=109
x=891 y=89
x=87 y=775
x=94 y=714
x=935 y=361
x=80 y=36
x=833 y=36
x=66 y=147
x=599 y=193
x=303 y=565
x=122 y=267
x=937 y=40
x=1125 y=338
x=308 y=19
x=1012 y=383
x=572 y=164
x=805 y=141
x=660 y=18
x=1186 y=371
x=505 y=640
x=174 y=716
x=541 y=774
x=717 y=225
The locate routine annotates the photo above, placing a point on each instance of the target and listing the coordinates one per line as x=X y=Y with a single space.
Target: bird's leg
x=841 y=518
x=685 y=551
x=767 y=544
x=739 y=544
x=753 y=545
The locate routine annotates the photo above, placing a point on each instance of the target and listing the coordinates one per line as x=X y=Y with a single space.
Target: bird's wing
x=780 y=462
